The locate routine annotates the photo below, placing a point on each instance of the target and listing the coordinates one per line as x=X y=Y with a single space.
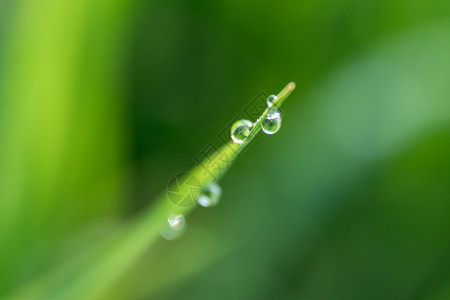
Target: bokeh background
x=102 y=102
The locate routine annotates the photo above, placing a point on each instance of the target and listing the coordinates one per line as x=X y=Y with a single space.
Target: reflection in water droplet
x=176 y=221
x=271 y=99
x=240 y=131
x=210 y=195
x=272 y=123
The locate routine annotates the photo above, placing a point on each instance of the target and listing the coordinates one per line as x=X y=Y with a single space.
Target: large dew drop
x=271 y=99
x=240 y=131
x=272 y=123
x=210 y=195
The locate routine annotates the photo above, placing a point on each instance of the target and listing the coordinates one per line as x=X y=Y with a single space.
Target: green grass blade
x=92 y=272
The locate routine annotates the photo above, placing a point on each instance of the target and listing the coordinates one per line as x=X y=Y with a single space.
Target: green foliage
x=102 y=102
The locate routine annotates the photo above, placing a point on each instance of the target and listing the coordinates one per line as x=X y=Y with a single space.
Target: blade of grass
x=92 y=272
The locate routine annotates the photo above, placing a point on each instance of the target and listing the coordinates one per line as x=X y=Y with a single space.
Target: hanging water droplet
x=271 y=99
x=272 y=123
x=240 y=131
x=174 y=227
x=210 y=195
x=176 y=221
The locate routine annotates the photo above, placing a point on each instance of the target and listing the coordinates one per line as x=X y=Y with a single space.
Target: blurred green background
x=102 y=102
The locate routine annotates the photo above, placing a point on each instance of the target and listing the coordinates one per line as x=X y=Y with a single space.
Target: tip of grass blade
x=285 y=93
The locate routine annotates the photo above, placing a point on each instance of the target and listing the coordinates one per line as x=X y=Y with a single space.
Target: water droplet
x=272 y=123
x=240 y=131
x=271 y=99
x=176 y=221
x=174 y=227
x=210 y=195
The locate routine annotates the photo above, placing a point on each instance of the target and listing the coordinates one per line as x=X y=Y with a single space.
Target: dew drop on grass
x=271 y=99
x=174 y=227
x=210 y=195
x=240 y=131
x=176 y=221
x=272 y=123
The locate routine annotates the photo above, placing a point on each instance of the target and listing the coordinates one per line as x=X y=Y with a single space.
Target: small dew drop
x=271 y=99
x=176 y=221
x=240 y=131
x=174 y=227
x=210 y=195
x=272 y=123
